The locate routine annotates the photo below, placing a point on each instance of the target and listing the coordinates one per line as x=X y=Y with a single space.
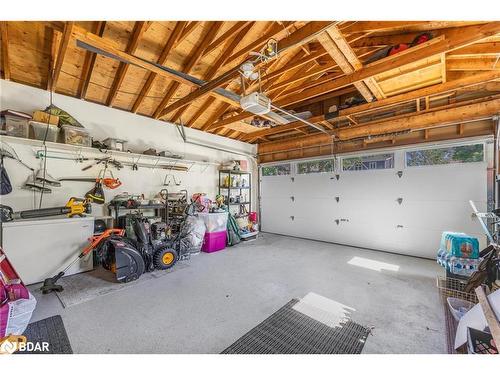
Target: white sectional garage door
x=402 y=209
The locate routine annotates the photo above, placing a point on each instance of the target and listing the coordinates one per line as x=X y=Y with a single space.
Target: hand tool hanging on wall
x=106 y=160
x=74 y=207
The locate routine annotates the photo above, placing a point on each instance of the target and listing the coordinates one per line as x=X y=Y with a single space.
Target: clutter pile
x=471 y=289
x=16 y=302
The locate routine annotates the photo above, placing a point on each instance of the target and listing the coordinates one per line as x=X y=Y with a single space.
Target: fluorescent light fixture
x=374 y=265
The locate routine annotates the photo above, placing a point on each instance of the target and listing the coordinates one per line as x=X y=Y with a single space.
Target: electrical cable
x=44 y=144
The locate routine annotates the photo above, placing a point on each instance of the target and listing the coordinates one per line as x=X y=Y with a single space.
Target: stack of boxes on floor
x=459 y=253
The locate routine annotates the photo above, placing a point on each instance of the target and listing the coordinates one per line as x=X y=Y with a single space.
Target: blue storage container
x=460 y=245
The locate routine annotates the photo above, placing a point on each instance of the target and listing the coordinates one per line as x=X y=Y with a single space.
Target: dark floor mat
x=49 y=330
x=288 y=331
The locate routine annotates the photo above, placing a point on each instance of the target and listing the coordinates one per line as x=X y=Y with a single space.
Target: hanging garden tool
x=167 y=180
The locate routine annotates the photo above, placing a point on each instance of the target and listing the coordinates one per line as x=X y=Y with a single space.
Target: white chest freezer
x=41 y=248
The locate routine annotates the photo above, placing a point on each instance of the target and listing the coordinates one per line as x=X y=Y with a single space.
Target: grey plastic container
x=39 y=128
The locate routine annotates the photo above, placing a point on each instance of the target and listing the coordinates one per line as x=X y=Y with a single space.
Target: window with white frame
x=276 y=170
x=445 y=155
x=316 y=166
x=368 y=162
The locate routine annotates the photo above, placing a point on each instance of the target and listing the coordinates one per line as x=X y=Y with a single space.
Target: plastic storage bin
x=39 y=129
x=214 y=241
x=214 y=222
x=74 y=135
x=16 y=126
x=458 y=307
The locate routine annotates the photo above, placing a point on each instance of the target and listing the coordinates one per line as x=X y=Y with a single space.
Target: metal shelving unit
x=243 y=182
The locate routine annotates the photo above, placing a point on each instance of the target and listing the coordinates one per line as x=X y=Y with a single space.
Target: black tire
x=165 y=258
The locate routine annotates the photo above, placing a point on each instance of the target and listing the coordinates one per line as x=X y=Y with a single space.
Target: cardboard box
x=44 y=117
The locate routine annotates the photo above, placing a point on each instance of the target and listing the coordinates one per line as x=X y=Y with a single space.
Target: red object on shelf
x=214 y=241
x=252 y=216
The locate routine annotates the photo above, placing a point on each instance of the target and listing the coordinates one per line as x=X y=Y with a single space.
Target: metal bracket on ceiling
x=181 y=130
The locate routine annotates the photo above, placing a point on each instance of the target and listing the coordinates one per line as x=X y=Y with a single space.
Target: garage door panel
x=448 y=182
x=368 y=184
x=276 y=186
x=322 y=230
x=368 y=212
x=275 y=214
x=440 y=215
x=314 y=185
x=426 y=241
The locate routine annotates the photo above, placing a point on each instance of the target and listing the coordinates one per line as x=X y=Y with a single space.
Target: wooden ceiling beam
x=215 y=115
x=491 y=63
x=88 y=64
x=140 y=28
x=340 y=51
x=67 y=34
x=173 y=39
x=231 y=32
x=213 y=29
x=460 y=38
x=187 y=30
x=478 y=50
x=395 y=100
x=413 y=122
x=231 y=44
x=441 y=116
x=281 y=128
x=297 y=38
x=402 y=26
x=54 y=48
x=5 y=50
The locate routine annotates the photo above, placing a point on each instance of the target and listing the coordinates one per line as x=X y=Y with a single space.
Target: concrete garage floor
x=205 y=307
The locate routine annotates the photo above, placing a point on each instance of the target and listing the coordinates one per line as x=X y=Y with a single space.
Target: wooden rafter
x=235 y=29
x=436 y=90
x=438 y=117
x=139 y=29
x=433 y=47
x=216 y=114
x=67 y=34
x=187 y=30
x=88 y=65
x=54 y=48
x=297 y=38
x=213 y=29
x=174 y=37
x=214 y=68
x=342 y=53
x=5 y=50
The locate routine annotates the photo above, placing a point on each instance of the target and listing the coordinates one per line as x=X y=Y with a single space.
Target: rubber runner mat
x=288 y=331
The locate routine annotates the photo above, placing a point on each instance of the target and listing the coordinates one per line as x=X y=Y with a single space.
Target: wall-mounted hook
x=293 y=179
x=292 y=218
x=170 y=178
x=399 y=200
x=399 y=226
x=337 y=198
x=292 y=198
x=399 y=173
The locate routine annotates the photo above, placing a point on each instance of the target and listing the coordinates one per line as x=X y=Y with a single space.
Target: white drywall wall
x=102 y=122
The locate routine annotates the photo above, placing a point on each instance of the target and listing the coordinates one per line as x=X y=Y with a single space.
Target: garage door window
x=368 y=162
x=445 y=155
x=276 y=170
x=316 y=166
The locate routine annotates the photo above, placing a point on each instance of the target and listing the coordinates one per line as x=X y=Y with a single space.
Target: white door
x=401 y=209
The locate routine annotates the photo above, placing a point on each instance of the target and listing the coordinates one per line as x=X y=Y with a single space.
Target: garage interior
x=326 y=187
